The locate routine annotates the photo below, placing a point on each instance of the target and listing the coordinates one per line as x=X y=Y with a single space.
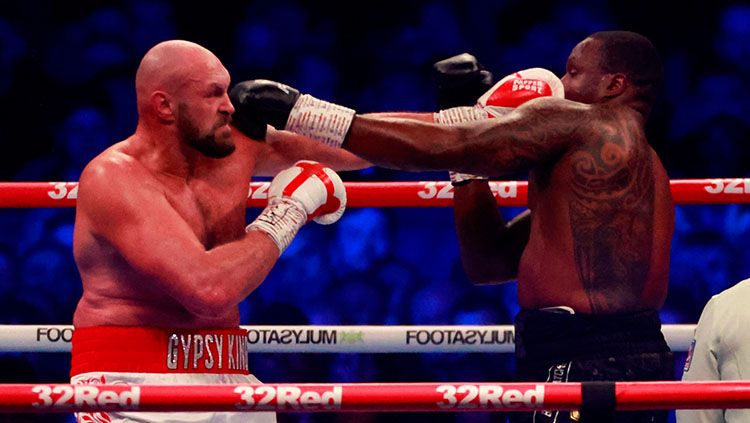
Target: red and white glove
x=509 y=93
x=306 y=191
x=518 y=88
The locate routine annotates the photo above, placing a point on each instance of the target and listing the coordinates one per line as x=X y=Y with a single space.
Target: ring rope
x=334 y=339
x=390 y=194
x=451 y=397
x=361 y=339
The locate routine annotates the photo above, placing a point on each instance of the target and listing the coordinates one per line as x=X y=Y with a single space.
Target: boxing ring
x=352 y=397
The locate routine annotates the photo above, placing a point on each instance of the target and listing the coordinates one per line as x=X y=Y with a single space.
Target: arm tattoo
x=611 y=218
x=541 y=135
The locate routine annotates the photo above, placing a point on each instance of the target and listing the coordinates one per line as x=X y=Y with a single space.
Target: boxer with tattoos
x=591 y=255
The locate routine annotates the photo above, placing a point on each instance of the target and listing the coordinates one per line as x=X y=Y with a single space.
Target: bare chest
x=215 y=213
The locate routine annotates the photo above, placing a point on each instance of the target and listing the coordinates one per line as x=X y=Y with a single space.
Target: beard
x=206 y=143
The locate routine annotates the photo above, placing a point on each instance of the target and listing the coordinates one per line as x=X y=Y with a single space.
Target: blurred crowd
x=66 y=83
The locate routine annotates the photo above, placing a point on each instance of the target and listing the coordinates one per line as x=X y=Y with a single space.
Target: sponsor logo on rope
x=53 y=334
x=460 y=337
x=66 y=396
x=444 y=190
x=728 y=186
x=352 y=337
x=303 y=336
x=291 y=397
x=63 y=190
x=488 y=396
x=260 y=193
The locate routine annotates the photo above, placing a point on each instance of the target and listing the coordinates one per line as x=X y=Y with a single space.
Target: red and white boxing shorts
x=156 y=356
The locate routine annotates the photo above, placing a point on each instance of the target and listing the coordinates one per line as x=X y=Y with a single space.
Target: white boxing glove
x=306 y=191
x=316 y=188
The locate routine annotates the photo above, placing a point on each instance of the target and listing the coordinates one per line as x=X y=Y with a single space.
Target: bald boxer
x=592 y=254
x=160 y=238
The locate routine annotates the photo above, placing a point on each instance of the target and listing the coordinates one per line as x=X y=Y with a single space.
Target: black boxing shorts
x=555 y=345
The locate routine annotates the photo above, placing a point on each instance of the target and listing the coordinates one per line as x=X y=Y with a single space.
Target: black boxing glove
x=461 y=80
x=260 y=102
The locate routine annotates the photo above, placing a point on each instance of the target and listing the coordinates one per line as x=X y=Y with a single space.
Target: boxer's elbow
x=210 y=305
x=207 y=299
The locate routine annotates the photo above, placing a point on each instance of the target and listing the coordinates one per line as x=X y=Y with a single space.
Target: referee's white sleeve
x=721 y=350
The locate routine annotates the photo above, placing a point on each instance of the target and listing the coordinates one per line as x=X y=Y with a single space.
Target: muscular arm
x=282 y=149
x=490 y=248
x=536 y=132
x=127 y=212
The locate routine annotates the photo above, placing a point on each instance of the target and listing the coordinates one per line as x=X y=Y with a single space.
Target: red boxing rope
x=390 y=194
x=450 y=397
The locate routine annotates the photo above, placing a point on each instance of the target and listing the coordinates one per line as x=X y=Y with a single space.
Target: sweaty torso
x=602 y=221
x=212 y=204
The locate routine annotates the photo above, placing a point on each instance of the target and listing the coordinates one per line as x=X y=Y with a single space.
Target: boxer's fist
x=305 y=191
x=316 y=189
x=510 y=92
x=260 y=102
x=518 y=88
x=460 y=81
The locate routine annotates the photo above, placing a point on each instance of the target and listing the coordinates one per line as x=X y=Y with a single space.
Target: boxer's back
x=602 y=220
x=212 y=205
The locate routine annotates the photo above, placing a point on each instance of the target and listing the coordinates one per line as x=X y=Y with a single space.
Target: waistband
x=158 y=350
x=555 y=334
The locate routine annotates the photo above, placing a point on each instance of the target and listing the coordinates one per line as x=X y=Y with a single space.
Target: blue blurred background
x=66 y=89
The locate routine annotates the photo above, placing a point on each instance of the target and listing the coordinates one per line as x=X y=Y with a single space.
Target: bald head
x=170 y=65
x=181 y=90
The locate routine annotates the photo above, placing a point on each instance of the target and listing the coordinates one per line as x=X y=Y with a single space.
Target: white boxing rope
x=334 y=339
